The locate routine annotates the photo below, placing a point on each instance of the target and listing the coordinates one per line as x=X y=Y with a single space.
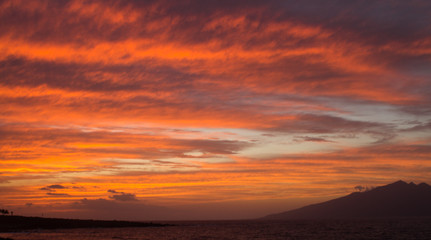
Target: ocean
x=204 y=230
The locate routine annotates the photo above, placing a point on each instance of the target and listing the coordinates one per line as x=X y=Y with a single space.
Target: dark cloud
x=321 y=124
x=214 y=146
x=311 y=139
x=409 y=152
x=376 y=22
x=124 y=197
x=268 y=135
x=359 y=188
x=68 y=23
x=53 y=187
x=57 y=194
x=185 y=21
x=56 y=186
x=373 y=22
x=93 y=77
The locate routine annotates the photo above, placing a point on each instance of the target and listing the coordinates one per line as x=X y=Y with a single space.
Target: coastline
x=20 y=223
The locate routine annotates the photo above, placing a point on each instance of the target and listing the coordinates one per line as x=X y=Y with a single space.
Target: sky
x=155 y=110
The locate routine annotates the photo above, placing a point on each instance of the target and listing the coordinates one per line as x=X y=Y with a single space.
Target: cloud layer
x=159 y=103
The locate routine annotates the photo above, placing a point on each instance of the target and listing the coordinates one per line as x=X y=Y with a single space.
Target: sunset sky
x=149 y=110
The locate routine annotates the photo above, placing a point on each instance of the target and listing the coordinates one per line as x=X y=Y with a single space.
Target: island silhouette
x=398 y=199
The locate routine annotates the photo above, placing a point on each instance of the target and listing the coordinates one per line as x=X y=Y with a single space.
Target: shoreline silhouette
x=20 y=223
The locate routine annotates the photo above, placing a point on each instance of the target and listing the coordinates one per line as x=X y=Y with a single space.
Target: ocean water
x=318 y=229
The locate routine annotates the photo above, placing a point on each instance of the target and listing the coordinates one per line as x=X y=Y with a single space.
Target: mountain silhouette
x=398 y=199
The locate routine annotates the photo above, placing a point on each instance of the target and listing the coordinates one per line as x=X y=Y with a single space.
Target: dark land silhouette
x=398 y=199
x=19 y=223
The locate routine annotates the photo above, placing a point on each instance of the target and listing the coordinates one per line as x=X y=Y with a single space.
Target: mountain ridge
x=397 y=199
